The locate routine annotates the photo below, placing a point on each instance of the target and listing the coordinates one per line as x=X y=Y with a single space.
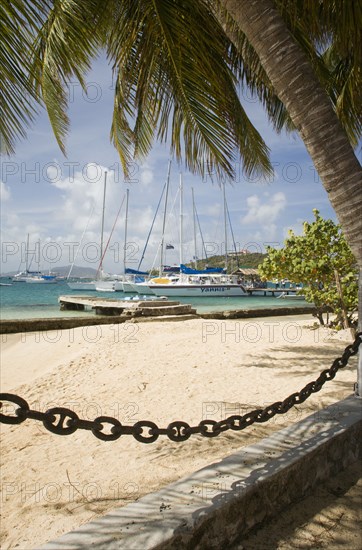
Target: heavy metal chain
x=63 y=421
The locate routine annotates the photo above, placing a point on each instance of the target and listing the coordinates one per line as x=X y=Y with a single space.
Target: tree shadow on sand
x=329 y=517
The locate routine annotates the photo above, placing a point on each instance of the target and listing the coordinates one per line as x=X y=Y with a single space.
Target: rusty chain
x=63 y=421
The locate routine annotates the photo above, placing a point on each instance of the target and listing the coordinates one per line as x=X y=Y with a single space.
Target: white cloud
x=53 y=171
x=83 y=194
x=4 y=192
x=265 y=213
x=146 y=176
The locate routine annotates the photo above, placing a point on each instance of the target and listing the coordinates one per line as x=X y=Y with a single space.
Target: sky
x=57 y=200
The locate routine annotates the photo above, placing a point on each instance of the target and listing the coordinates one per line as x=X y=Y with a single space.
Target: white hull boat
x=208 y=286
x=109 y=286
x=22 y=277
x=128 y=286
x=40 y=280
x=91 y=285
x=143 y=288
x=206 y=291
x=105 y=287
x=101 y=286
x=103 y=282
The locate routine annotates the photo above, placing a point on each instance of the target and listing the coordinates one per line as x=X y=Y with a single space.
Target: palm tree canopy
x=18 y=23
x=330 y=34
x=170 y=79
x=298 y=85
x=334 y=28
x=177 y=67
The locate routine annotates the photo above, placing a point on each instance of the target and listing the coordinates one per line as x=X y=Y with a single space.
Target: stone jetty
x=125 y=308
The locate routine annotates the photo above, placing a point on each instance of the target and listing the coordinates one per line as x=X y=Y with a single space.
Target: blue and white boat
x=197 y=283
x=28 y=276
x=41 y=279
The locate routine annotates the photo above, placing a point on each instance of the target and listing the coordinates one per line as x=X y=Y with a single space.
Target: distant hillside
x=77 y=271
x=244 y=260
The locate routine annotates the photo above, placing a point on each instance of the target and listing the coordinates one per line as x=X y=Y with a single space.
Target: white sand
x=159 y=371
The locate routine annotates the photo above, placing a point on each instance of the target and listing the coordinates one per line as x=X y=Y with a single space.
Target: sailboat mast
x=38 y=243
x=100 y=270
x=232 y=236
x=194 y=217
x=81 y=241
x=225 y=231
x=201 y=235
x=164 y=220
x=181 y=220
x=125 y=234
x=27 y=255
x=153 y=223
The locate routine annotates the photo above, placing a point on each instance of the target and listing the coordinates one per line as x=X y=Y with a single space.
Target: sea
x=34 y=301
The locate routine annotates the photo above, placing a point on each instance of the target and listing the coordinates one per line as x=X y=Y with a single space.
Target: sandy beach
x=158 y=371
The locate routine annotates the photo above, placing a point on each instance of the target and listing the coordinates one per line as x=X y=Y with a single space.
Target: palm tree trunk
x=292 y=76
x=358 y=387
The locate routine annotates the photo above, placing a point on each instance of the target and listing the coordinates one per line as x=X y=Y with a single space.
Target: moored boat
x=208 y=285
x=41 y=279
x=23 y=275
x=105 y=286
x=82 y=285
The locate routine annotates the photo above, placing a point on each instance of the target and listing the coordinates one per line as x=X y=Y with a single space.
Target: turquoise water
x=26 y=301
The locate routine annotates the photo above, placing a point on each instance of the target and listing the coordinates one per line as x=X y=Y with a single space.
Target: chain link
x=63 y=421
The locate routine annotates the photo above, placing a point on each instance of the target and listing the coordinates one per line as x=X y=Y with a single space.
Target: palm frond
x=178 y=65
x=122 y=135
x=176 y=80
x=346 y=92
x=315 y=26
x=323 y=20
x=253 y=80
x=64 y=48
x=19 y=22
x=334 y=28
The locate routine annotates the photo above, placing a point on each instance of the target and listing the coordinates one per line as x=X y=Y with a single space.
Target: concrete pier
x=128 y=308
x=221 y=503
x=255 y=291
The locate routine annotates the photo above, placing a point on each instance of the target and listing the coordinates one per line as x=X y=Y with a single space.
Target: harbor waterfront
x=22 y=301
x=165 y=371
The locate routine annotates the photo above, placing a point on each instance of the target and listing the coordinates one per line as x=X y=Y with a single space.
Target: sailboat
x=91 y=285
x=116 y=283
x=41 y=279
x=101 y=278
x=21 y=276
x=146 y=287
x=210 y=283
x=28 y=276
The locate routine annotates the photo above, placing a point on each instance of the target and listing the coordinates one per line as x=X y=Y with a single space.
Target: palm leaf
x=64 y=48
x=171 y=79
x=315 y=24
x=19 y=22
x=347 y=93
x=175 y=81
x=334 y=27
